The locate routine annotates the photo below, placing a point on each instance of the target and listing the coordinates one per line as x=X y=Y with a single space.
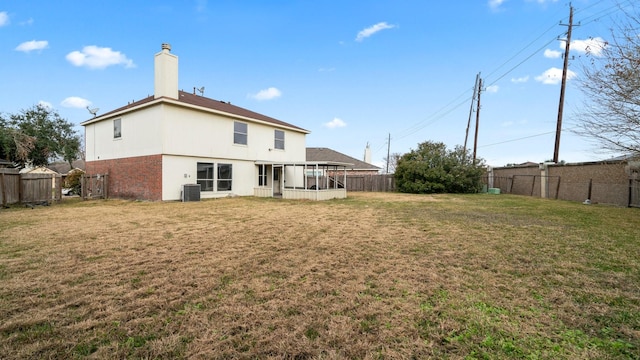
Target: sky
x=385 y=73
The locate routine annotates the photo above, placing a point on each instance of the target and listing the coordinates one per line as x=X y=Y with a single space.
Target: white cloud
x=495 y=4
x=201 y=5
x=326 y=69
x=552 y=54
x=45 y=104
x=372 y=30
x=592 y=46
x=507 y=123
x=267 y=94
x=75 y=102
x=553 y=76
x=95 y=57
x=519 y=80
x=27 y=22
x=492 y=89
x=335 y=123
x=28 y=46
x=4 y=18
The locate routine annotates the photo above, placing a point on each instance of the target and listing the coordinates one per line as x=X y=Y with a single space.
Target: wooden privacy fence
x=376 y=183
x=18 y=188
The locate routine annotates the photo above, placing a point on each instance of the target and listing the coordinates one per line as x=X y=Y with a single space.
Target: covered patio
x=302 y=180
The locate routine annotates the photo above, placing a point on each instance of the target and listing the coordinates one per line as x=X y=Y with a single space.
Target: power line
x=455 y=103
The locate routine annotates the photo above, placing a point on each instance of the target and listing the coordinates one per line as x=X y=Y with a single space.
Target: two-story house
x=152 y=147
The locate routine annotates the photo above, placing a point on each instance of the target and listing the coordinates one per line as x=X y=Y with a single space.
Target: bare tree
x=611 y=85
x=393 y=161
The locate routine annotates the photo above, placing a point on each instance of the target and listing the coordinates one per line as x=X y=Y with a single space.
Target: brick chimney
x=166 y=74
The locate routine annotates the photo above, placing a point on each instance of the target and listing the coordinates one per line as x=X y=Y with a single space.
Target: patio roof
x=303 y=163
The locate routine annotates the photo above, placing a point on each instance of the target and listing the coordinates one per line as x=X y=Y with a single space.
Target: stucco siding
x=180 y=170
x=204 y=134
x=140 y=136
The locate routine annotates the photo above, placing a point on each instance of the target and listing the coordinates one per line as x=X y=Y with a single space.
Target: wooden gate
x=94 y=186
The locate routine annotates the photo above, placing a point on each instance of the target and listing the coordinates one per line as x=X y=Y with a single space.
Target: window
x=239 y=133
x=205 y=176
x=224 y=177
x=279 y=140
x=262 y=175
x=117 y=128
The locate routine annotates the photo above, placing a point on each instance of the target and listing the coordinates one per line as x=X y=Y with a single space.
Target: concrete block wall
x=609 y=181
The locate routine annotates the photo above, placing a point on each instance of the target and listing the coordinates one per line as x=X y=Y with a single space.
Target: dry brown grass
x=373 y=276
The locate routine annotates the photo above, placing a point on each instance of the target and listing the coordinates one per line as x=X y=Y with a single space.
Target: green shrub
x=432 y=168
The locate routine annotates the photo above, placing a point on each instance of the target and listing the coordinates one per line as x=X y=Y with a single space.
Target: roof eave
x=191 y=106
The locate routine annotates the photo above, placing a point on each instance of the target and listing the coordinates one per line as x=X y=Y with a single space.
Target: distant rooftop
x=326 y=154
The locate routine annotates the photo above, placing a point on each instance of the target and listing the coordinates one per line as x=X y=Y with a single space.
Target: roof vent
x=166 y=46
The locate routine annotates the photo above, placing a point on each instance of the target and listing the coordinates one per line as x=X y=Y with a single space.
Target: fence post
x=533 y=185
x=4 y=190
x=105 y=186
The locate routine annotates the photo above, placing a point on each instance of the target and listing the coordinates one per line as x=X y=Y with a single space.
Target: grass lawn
x=374 y=276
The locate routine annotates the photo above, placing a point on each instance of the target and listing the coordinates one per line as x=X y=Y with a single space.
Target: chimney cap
x=166 y=46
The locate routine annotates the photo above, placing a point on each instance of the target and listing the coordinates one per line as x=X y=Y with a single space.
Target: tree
x=432 y=168
x=38 y=136
x=392 y=161
x=611 y=85
x=15 y=146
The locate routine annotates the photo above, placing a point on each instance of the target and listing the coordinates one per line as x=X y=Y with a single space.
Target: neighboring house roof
x=38 y=170
x=199 y=102
x=63 y=167
x=326 y=154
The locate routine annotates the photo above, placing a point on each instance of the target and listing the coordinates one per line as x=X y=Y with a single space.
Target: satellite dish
x=201 y=91
x=93 y=111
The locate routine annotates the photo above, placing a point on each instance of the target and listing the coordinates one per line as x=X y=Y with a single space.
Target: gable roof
x=326 y=154
x=197 y=102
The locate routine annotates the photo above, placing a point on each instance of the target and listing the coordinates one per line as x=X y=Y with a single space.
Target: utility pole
x=556 y=149
x=473 y=99
x=388 y=151
x=475 y=140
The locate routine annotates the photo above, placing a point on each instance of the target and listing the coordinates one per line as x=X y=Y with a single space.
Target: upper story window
x=117 y=128
x=279 y=140
x=239 y=133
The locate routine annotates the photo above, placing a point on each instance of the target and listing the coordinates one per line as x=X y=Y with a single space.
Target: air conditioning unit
x=191 y=192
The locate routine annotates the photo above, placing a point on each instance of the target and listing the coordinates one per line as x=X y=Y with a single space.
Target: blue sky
x=351 y=72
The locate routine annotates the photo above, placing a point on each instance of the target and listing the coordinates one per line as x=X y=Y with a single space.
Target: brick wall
x=137 y=178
